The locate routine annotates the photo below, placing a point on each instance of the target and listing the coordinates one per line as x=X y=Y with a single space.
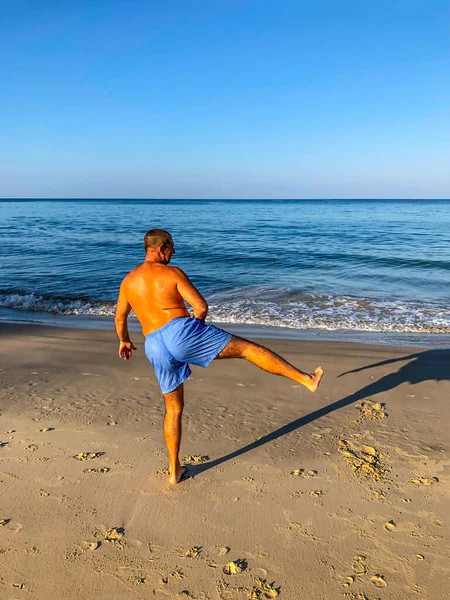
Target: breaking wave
x=273 y=307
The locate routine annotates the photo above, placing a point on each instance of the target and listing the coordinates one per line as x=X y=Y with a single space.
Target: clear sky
x=229 y=99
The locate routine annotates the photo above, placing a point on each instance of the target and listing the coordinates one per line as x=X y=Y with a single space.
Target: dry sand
x=339 y=494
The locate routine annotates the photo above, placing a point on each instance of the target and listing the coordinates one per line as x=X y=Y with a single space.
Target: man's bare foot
x=178 y=475
x=314 y=382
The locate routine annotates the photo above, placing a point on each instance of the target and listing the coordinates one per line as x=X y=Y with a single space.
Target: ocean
x=366 y=270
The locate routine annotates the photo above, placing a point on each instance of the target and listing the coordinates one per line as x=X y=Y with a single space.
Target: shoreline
x=250 y=330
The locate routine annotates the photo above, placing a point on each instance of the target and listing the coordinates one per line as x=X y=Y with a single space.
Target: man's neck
x=154 y=259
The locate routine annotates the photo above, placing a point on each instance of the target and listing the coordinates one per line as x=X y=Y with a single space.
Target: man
x=173 y=339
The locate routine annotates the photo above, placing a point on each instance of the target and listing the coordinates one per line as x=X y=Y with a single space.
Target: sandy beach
x=339 y=494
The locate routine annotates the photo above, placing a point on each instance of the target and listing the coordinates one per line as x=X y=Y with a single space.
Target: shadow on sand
x=421 y=366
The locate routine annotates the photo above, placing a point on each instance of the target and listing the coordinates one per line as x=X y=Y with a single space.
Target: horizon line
x=159 y=199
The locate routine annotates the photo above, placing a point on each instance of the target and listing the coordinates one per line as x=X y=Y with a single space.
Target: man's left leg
x=269 y=361
x=172 y=431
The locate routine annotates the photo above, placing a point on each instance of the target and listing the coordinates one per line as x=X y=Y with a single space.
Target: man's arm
x=122 y=311
x=191 y=295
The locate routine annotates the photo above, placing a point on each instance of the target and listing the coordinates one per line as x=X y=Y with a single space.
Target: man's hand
x=126 y=350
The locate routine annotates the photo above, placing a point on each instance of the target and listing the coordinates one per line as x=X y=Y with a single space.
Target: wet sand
x=339 y=494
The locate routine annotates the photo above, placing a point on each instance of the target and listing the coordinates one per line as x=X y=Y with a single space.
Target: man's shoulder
x=175 y=270
x=129 y=277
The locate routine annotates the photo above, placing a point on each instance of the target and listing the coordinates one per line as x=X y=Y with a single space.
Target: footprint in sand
x=20 y=586
x=177 y=574
x=424 y=480
x=91 y=546
x=438 y=522
x=235 y=566
x=10 y=475
x=359 y=564
x=196 y=459
x=390 y=526
x=363 y=460
x=101 y=470
x=303 y=473
x=164 y=471
x=88 y=455
x=378 y=581
x=115 y=534
x=190 y=553
x=371 y=411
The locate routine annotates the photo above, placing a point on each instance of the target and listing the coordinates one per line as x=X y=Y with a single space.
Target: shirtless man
x=173 y=339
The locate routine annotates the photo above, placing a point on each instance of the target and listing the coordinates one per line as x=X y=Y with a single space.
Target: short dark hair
x=157 y=237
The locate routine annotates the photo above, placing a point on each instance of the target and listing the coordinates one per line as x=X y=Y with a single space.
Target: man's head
x=159 y=243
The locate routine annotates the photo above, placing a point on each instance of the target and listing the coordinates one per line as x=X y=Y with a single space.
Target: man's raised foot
x=315 y=380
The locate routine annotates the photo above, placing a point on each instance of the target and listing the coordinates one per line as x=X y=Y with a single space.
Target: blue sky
x=236 y=99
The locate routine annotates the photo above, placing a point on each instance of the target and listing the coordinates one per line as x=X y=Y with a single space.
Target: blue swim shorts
x=179 y=342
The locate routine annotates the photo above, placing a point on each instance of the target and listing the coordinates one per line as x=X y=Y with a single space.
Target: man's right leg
x=269 y=361
x=172 y=431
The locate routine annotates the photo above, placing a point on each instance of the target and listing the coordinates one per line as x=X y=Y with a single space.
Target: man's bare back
x=154 y=292
x=157 y=294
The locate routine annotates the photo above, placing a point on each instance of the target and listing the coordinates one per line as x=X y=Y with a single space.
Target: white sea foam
x=276 y=308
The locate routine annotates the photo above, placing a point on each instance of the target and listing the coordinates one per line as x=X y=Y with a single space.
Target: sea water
x=375 y=267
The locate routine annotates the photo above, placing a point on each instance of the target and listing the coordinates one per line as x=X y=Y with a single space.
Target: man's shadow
x=421 y=366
